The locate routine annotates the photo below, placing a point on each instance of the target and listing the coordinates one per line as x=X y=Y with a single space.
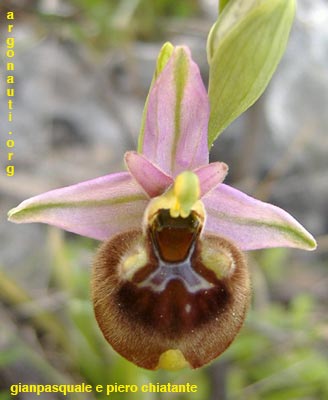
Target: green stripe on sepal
x=162 y=59
x=181 y=71
x=21 y=212
x=244 y=48
x=298 y=236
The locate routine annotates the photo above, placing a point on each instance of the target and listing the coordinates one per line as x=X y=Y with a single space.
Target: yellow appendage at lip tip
x=172 y=360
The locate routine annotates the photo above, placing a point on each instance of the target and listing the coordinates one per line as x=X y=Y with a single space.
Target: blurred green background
x=48 y=333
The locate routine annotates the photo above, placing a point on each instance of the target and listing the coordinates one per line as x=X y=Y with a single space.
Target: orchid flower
x=170 y=282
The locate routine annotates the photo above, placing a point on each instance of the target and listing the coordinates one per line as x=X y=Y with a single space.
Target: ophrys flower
x=170 y=284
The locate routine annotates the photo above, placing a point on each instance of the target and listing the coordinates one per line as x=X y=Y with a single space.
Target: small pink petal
x=252 y=224
x=149 y=177
x=210 y=176
x=175 y=135
x=97 y=208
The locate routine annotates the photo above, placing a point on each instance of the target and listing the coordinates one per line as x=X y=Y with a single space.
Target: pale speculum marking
x=182 y=271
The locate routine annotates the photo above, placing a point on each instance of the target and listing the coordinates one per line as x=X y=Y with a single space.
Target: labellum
x=168 y=296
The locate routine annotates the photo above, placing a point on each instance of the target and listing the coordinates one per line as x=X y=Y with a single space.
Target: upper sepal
x=175 y=127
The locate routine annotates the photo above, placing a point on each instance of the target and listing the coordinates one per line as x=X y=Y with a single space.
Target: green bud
x=244 y=48
x=222 y=4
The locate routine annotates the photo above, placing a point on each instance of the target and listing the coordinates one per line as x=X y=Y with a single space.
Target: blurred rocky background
x=83 y=70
